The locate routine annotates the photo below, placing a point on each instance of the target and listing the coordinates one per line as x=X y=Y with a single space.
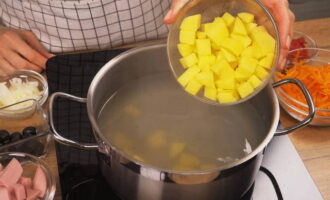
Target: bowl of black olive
x=28 y=135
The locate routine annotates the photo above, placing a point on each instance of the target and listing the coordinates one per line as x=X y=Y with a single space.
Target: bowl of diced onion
x=21 y=92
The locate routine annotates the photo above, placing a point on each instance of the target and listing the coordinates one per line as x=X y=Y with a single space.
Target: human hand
x=21 y=49
x=279 y=9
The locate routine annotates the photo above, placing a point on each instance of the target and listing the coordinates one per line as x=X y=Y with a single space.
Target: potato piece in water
x=176 y=148
x=189 y=160
x=132 y=110
x=157 y=139
x=123 y=142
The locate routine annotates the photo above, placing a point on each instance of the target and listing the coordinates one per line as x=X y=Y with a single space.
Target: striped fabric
x=72 y=25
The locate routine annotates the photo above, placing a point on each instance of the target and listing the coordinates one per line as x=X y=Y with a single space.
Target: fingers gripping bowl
x=219 y=10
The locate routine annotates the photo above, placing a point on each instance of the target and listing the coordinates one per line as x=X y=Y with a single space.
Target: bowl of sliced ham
x=25 y=177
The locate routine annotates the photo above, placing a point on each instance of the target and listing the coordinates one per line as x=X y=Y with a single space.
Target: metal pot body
x=132 y=179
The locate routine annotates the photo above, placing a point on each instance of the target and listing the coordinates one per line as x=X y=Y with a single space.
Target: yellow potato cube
x=205 y=78
x=205 y=61
x=227 y=96
x=250 y=26
x=201 y=35
x=247 y=65
x=239 y=27
x=183 y=63
x=185 y=49
x=233 y=45
x=219 y=55
x=228 y=18
x=215 y=47
x=241 y=76
x=193 y=87
x=219 y=66
x=188 y=75
x=244 y=39
x=122 y=141
x=157 y=140
x=187 y=37
x=191 y=23
x=226 y=83
x=189 y=60
x=248 y=52
x=132 y=110
x=245 y=89
x=217 y=31
x=227 y=72
x=176 y=148
x=254 y=81
x=257 y=53
x=206 y=26
x=267 y=61
x=203 y=47
x=189 y=160
x=210 y=93
x=261 y=72
x=246 y=17
x=264 y=41
x=137 y=157
x=231 y=58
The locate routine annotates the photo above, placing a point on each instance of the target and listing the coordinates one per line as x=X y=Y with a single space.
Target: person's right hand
x=20 y=49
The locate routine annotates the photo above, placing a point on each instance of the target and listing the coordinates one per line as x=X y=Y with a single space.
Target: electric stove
x=282 y=175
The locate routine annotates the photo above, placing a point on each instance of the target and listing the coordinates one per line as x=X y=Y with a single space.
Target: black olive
x=4 y=135
x=29 y=131
x=15 y=137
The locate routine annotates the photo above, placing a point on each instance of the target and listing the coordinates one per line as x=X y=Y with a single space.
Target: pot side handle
x=309 y=100
x=57 y=136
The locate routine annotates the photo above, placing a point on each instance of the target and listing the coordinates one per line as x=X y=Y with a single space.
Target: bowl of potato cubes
x=224 y=52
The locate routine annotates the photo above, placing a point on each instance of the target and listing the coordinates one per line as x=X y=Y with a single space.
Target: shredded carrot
x=315 y=78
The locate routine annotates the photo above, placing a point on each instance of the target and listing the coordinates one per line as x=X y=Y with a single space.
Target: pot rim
x=98 y=134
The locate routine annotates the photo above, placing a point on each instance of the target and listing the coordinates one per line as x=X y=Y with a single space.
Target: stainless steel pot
x=132 y=179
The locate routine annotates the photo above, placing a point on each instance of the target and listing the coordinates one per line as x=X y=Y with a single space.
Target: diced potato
x=206 y=78
x=215 y=47
x=233 y=45
x=132 y=110
x=205 y=27
x=217 y=30
x=247 y=65
x=241 y=76
x=254 y=81
x=191 y=23
x=189 y=160
x=250 y=26
x=267 y=61
x=245 y=89
x=176 y=148
x=189 y=60
x=185 y=49
x=257 y=53
x=210 y=93
x=207 y=166
x=228 y=18
x=157 y=139
x=188 y=75
x=219 y=55
x=239 y=27
x=203 y=47
x=123 y=142
x=227 y=96
x=265 y=42
x=201 y=35
x=187 y=37
x=246 y=17
x=245 y=40
x=183 y=63
x=205 y=61
x=261 y=72
x=231 y=58
x=193 y=87
x=227 y=72
x=139 y=158
x=219 y=66
x=226 y=83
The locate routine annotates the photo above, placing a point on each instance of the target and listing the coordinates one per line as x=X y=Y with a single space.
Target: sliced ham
x=4 y=194
x=27 y=182
x=40 y=182
x=19 y=192
x=32 y=194
x=11 y=174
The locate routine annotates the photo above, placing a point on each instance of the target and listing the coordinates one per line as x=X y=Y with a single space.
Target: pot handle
x=57 y=136
x=311 y=107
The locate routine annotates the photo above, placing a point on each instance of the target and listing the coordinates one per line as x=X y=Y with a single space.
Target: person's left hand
x=176 y=6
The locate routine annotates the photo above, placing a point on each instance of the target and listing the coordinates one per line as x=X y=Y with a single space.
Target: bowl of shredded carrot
x=312 y=67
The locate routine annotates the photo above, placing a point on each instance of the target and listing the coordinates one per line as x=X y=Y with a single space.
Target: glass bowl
x=309 y=42
x=37 y=144
x=214 y=8
x=314 y=57
x=29 y=164
x=26 y=106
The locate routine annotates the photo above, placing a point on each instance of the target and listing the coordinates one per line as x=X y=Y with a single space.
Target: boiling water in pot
x=153 y=120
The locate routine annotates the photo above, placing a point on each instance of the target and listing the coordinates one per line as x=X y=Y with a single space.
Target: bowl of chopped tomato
x=301 y=40
x=312 y=67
